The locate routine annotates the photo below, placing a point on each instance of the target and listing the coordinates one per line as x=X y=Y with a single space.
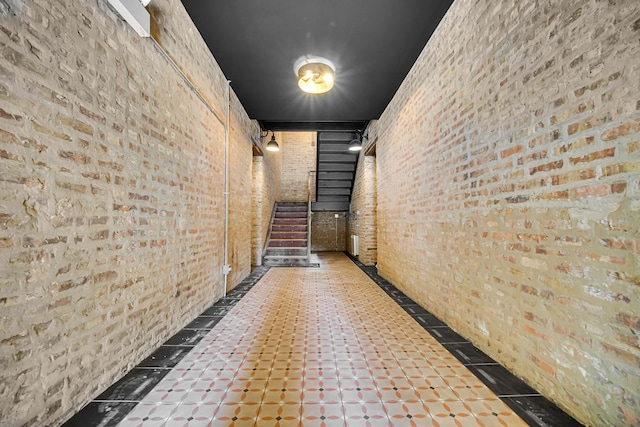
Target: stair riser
x=291 y=214
x=275 y=235
x=292 y=208
x=288 y=232
x=286 y=252
x=289 y=221
x=288 y=228
x=286 y=263
x=287 y=243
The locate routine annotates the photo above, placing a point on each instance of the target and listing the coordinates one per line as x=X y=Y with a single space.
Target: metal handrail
x=265 y=245
x=309 y=187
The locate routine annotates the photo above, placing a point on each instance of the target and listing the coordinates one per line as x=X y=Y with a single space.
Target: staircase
x=336 y=171
x=287 y=246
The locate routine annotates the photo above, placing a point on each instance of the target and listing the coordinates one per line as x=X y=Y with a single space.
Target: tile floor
x=319 y=347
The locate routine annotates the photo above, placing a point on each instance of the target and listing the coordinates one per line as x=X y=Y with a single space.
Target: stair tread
x=289 y=228
x=287 y=247
x=289 y=238
x=285 y=256
x=290 y=217
x=302 y=248
x=292 y=232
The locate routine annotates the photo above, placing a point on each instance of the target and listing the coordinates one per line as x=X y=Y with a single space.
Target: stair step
x=287 y=214
x=289 y=228
x=333 y=191
x=277 y=257
x=290 y=221
x=289 y=235
x=291 y=208
x=287 y=243
x=321 y=206
x=333 y=198
x=288 y=252
x=291 y=204
x=289 y=262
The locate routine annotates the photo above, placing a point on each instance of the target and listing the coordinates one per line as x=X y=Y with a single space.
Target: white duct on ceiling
x=134 y=12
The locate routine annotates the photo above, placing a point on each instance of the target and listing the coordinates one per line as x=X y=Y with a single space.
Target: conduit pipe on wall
x=226 y=268
x=192 y=87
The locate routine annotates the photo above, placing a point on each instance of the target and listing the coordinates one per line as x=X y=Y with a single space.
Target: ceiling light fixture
x=315 y=75
x=356 y=143
x=272 y=145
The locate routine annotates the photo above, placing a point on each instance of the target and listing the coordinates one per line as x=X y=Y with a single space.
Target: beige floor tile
x=324 y=347
x=237 y=414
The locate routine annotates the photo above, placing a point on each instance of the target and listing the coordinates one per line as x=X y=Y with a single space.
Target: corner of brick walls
x=298 y=159
x=241 y=197
x=362 y=216
x=267 y=175
x=508 y=176
x=112 y=197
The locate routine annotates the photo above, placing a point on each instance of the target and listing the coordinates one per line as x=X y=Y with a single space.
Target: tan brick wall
x=267 y=172
x=328 y=233
x=241 y=198
x=362 y=217
x=298 y=159
x=111 y=197
x=509 y=193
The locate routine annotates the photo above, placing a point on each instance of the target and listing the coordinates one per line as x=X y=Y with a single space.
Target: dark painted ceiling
x=373 y=44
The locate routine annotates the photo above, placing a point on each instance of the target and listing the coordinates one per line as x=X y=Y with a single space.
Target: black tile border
x=113 y=405
x=531 y=406
x=165 y=356
x=186 y=338
x=540 y=412
x=204 y=323
x=136 y=384
x=468 y=353
x=501 y=381
x=95 y=413
x=216 y=311
x=445 y=335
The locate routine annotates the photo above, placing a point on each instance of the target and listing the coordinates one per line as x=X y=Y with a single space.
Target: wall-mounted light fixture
x=272 y=145
x=315 y=75
x=356 y=142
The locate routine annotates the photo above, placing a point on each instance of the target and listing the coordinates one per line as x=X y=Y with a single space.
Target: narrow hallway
x=317 y=347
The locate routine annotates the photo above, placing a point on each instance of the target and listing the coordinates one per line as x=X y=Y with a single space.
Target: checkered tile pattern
x=320 y=347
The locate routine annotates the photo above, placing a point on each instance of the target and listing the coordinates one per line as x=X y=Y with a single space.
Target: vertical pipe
x=309 y=214
x=336 y=247
x=226 y=268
